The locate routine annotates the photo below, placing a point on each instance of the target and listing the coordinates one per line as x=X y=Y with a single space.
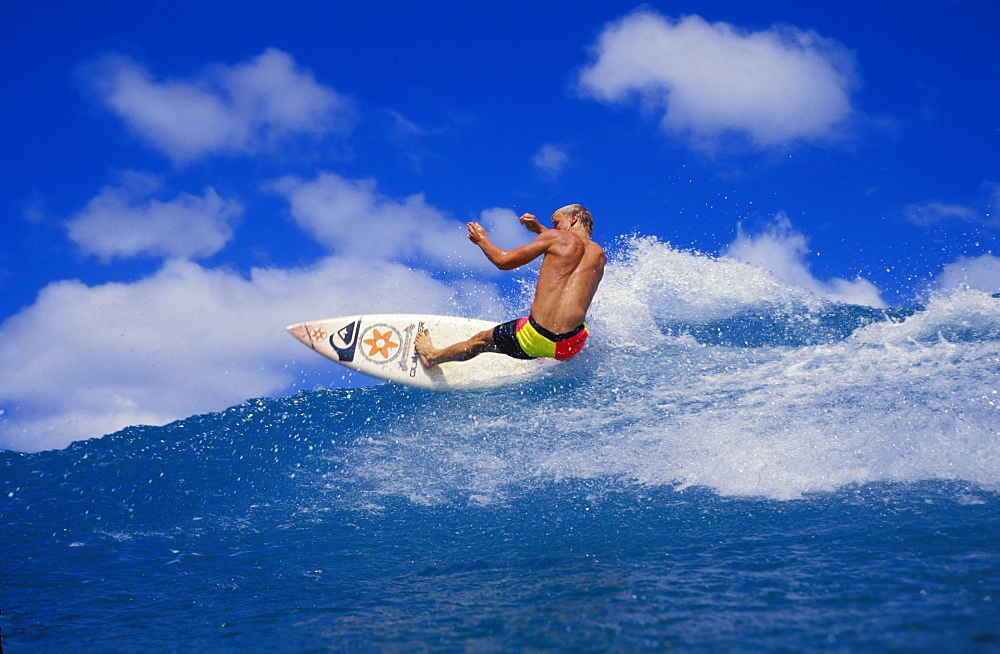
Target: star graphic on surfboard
x=380 y=343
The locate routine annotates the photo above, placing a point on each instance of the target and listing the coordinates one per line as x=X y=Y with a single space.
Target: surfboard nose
x=300 y=332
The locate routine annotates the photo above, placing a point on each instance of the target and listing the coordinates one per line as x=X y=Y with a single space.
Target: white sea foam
x=650 y=282
x=897 y=401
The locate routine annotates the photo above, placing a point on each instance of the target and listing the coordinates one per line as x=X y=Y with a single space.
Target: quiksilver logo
x=345 y=340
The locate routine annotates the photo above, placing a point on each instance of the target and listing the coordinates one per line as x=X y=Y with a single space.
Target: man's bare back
x=572 y=268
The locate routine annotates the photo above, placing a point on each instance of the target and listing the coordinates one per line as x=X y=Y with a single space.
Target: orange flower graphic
x=318 y=334
x=380 y=342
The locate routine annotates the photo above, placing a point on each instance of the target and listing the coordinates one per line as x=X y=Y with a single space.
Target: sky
x=183 y=179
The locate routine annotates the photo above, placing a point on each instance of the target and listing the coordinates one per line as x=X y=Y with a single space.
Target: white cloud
x=349 y=217
x=551 y=159
x=85 y=361
x=124 y=221
x=227 y=110
x=980 y=273
x=714 y=79
x=504 y=228
x=782 y=251
x=933 y=213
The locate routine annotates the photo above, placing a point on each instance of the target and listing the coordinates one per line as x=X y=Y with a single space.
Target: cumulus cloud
x=712 y=80
x=85 y=361
x=551 y=159
x=781 y=251
x=349 y=217
x=226 y=110
x=125 y=221
x=979 y=273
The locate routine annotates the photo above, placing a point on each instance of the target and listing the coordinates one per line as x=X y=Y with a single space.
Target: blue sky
x=181 y=177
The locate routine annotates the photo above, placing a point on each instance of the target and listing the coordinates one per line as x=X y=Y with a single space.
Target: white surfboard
x=382 y=345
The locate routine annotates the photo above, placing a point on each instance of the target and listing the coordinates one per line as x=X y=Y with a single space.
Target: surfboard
x=382 y=346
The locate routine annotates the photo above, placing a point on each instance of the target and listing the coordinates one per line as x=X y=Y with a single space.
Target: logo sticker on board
x=345 y=340
x=380 y=343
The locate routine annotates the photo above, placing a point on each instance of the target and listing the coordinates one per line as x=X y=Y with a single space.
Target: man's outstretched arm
x=510 y=259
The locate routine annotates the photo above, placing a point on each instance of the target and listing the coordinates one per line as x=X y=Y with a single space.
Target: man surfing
x=572 y=268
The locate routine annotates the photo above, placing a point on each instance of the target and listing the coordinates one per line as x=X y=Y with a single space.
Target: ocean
x=732 y=465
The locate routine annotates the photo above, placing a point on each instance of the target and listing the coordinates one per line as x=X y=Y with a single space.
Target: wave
x=701 y=373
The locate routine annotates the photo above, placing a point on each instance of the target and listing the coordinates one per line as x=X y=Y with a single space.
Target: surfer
x=572 y=267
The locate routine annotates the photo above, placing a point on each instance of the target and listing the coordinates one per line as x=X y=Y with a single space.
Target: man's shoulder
x=594 y=247
x=594 y=255
x=565 y=242
x=557 y=238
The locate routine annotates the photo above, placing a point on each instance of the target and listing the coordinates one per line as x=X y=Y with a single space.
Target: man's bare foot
x=425 y=349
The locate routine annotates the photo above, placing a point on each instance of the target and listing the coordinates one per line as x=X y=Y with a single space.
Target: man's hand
x=531 y=223
x=476 y=233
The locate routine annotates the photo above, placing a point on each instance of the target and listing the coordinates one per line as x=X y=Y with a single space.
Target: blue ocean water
x=731 y=465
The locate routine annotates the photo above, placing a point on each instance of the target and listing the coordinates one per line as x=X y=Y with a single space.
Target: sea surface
x=732 y=465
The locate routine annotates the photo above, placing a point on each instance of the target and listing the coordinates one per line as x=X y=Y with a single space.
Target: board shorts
x=526 y=339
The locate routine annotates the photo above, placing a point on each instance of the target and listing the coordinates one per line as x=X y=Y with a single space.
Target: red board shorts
x=526 y=339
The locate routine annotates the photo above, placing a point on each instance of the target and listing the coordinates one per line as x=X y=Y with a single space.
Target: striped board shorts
x=526 y=339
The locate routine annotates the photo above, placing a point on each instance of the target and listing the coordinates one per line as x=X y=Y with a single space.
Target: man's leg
x=431 y=356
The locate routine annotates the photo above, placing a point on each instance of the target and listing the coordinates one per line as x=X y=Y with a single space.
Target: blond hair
x=580 y=212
